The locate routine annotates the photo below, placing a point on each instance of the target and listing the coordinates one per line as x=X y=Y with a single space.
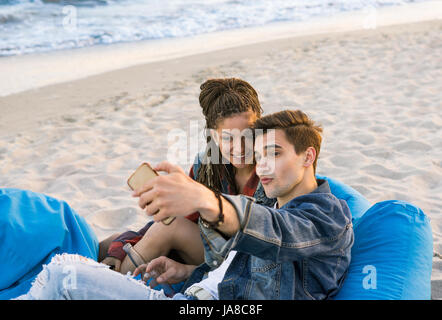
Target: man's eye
x=272 y=154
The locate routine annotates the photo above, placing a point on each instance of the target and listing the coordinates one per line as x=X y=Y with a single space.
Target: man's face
x=278 y=166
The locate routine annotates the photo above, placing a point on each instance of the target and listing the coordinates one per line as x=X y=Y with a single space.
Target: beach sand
x=377 y=93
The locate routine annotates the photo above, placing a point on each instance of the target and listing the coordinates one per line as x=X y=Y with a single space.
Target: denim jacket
x=299 y=251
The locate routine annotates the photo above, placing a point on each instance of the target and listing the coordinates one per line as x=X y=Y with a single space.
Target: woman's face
x=235 y=140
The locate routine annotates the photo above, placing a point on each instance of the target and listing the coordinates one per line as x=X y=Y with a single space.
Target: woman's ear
x=310 y=156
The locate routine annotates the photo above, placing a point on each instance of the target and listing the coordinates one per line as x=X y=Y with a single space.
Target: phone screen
x=143 y=174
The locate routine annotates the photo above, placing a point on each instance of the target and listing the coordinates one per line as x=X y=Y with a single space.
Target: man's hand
x=164 y=270
x=176 y=194
x=172 y=195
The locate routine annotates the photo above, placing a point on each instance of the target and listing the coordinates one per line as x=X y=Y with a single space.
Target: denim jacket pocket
x=265 y=278
x=340 y=253
x=305 y=282
x=315 y=283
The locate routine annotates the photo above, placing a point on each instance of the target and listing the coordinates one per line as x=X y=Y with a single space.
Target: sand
x=377 y=93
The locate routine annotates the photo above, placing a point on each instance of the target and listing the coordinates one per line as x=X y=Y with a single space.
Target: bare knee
x=181 y=235
x=187 y=241
x=103 y=246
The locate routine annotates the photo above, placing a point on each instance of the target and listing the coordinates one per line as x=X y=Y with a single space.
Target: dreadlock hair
x=220 y=99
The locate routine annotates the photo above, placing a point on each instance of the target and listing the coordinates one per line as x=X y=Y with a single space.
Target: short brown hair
x=299 y=130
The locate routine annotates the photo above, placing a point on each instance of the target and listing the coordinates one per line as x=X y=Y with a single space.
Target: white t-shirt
x=210 y=284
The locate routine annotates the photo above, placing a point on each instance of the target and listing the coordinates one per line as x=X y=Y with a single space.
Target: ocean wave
x=58 y=2
x=85 y=3
x=9 y=18
x=28 y=26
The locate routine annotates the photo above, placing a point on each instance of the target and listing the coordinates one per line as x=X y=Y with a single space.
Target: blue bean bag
x=33 y=228
x=391 y=257
x=356 y=202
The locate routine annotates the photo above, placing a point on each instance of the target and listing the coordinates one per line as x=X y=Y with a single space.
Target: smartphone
x=143 y=174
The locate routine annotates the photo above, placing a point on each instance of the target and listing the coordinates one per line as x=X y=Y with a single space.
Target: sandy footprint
x=155 y=100
x=412 y=146
x=380 y=170
x=114 y=218
x=348 y=160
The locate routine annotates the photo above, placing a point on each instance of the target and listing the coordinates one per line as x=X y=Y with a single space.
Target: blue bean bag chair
x=356 y=202
x=391 y=257
x=33 y=228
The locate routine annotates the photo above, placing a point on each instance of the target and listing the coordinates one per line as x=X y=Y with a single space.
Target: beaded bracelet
x=220 y=220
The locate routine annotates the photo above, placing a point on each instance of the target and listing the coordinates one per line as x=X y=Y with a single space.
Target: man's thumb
x=168 y=167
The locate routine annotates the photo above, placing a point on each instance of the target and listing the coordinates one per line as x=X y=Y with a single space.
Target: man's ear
x=310 y=156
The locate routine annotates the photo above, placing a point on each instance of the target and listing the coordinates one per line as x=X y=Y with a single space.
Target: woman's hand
x=164 y=270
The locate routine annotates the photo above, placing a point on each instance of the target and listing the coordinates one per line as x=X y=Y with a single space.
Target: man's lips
x=266 y=180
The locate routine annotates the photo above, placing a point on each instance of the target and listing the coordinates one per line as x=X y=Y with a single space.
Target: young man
x=299 y=250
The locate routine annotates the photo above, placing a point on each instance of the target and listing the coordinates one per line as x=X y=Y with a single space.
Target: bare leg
x=104 y=246
x=182 y=235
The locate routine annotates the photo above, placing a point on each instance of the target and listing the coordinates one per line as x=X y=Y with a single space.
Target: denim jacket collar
x=323 y=187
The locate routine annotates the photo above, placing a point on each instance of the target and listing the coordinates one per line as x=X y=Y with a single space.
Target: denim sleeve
x=318 y=225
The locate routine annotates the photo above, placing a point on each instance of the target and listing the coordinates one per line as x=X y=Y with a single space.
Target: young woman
x=230 y=107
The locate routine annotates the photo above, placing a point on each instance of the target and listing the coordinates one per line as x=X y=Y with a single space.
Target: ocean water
x=28 y=26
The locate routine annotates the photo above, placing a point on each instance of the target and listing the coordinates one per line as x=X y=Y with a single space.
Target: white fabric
x=210 y=284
